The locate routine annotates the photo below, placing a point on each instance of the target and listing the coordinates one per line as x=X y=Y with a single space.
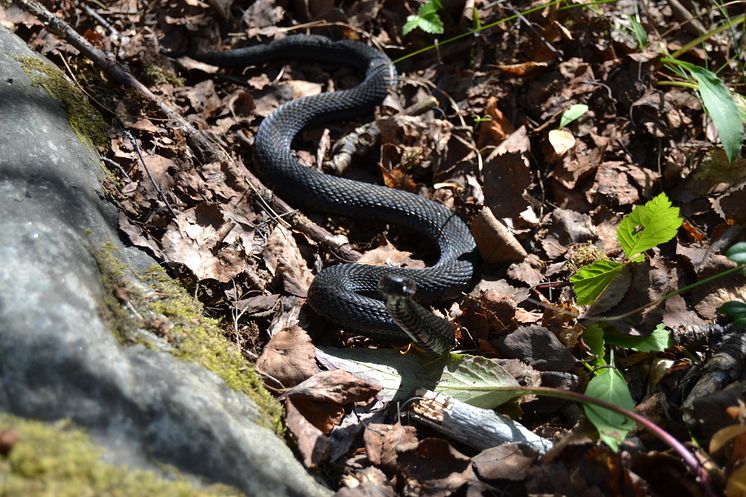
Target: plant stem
x=667 y=296
x=688 y=457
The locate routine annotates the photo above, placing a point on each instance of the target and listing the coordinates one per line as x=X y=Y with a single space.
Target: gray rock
x=59 y=359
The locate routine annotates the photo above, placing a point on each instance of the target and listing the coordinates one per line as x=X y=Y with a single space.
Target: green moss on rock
x=200 y=339
x=177 y=317
x=58 y=460
x=84 y=119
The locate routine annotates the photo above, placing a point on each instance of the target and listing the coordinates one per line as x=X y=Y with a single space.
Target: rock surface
x=60 y=359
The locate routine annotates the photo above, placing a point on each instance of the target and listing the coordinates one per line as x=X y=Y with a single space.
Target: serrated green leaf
x=571 y=114
x=733 y=308
x=720 y=106
x=658 y=341
x=593 y=336
x=611 y=387
x=426 y=19
x=472 y=379
x=737 y=253
x=590 y=281
x=647 y=226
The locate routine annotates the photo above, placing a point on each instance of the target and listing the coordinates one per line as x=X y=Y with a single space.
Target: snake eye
x=396 y=285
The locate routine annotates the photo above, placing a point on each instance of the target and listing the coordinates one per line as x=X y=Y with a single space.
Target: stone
x=60 y=359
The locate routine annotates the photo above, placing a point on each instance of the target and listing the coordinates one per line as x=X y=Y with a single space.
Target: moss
x=58 y=460
x=170 y=312
x=157 y=75
x=200 y=339
x=84 y=119
x=121 y=321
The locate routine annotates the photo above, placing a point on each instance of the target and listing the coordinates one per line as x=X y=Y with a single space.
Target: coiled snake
x=350 y=294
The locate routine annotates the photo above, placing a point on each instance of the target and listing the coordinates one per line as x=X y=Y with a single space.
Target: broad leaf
x=472 y=379
x=611 y=387
x=573 y=113
x=647 y=226
x=721 y=108
x=658 y=341
x=590 y=281
x=593 y=336
x=737 y=253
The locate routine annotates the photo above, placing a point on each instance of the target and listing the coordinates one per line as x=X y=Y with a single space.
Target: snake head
x=396 y=285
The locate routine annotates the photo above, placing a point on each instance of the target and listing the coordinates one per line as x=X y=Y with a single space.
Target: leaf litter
x=540 y=210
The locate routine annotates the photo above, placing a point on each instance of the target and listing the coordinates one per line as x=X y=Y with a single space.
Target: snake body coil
x=348 y=293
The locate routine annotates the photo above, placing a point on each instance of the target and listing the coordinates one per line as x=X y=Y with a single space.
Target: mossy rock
x=59 y=460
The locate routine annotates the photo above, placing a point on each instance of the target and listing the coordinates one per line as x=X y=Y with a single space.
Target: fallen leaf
x=283 y=259
x=561 y=141
x=337 y=386
x=313 y=445
x=382 y=442
x=288 y=358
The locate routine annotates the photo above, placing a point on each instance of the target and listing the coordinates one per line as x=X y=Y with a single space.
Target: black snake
x=350 y=294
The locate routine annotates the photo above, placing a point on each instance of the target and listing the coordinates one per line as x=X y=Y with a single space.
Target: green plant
x=427 y=18
x=717 y=101
x=646 y=227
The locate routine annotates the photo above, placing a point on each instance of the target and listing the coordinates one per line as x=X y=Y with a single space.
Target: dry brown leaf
x=382 y=441
x=523 y=68
x=288 y=358
x=314 y=447
x=506 y=462
x=283 y=259
x=338 y=386
x=496 y=130
x=494 y=240
x=195 y=238
x=388 y=255
x=507 y=176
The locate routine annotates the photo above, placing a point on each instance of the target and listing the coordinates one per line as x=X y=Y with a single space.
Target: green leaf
x=472 y=379
x=647 y=226
x=426 y=19
x=571 y=114
x=593 y=336
x=737 y=253
x=658 y=341
x=720 y=106
x=733 y=308
x=590 y=281
x=641 y=36
x=611 y=387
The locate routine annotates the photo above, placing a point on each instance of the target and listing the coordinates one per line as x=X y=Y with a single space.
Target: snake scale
x=373 y=300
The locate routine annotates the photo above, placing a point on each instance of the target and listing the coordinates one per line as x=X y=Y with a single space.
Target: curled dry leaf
x=496 y=129
x=288 y=358
x=283 y=259
x=312 y=444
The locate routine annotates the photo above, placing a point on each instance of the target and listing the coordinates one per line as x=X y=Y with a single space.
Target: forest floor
x=544 y=131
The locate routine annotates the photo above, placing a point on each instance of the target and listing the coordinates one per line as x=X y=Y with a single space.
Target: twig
x=362 y=138
x=206 y=149
x=158 y=189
